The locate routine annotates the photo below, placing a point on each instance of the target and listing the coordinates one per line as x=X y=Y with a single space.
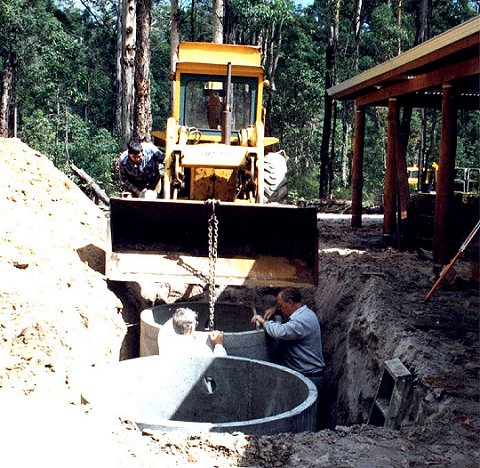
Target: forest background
x=63 y=88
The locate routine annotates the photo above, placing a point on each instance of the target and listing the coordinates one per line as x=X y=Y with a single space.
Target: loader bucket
x=167 y=241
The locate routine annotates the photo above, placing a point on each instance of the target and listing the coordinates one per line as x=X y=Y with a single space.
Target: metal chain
x=212 y=261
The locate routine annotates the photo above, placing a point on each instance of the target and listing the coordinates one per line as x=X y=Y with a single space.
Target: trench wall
x=358 y=336
x=366 y=319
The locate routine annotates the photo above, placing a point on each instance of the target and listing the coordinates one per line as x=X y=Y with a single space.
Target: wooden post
x=390 y=183
x=357 y=167
x=445 y=180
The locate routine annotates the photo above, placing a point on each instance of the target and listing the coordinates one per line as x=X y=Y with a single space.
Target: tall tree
x=217 y=21
x=9 y=67
x=175 y=27
x=118 y=85
x=142 y=122
x=128 y=32
x=326 y=164
x=32 y=38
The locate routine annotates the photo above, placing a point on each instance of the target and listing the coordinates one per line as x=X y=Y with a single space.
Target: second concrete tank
x=241 y=337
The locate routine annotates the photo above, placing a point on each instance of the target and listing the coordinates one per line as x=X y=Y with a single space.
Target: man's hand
x=257 y=319
x=269 y=313
x=216 y=336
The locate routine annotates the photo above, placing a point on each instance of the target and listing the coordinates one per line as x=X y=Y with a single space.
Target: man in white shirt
x=179 y=334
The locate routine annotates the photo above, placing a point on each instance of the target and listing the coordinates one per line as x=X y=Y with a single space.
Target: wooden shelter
x=442 y=73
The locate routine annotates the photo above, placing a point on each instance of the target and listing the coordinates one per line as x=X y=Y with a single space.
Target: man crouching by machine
x=141 y=167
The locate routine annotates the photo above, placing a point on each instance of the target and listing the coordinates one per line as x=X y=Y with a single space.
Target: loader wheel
x=276 y=189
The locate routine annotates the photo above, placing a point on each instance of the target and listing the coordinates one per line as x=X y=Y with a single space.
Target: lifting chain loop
x=212 y=262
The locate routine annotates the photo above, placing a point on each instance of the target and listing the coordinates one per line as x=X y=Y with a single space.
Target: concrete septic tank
x=226 y=394
x=241 y=337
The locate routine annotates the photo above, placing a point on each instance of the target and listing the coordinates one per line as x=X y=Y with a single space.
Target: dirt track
x=58 y=316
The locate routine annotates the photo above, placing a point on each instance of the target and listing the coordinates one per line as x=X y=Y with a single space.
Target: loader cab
x=202 y=99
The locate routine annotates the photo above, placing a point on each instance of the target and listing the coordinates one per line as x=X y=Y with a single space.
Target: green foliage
x=468 y=140
x=160 y=66
x=196 y=24
x=253 y=16
x=381 y=39
x=296 y=114
x=446 y=14
x=38 y=131
x=374 y=155
x=88 y=147
x=92 y=148
x=303 y=186
x=65 y=70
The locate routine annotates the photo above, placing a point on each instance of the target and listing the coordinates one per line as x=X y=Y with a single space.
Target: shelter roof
x=416 y=76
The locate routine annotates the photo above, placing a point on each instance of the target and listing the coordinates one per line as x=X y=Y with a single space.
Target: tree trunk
x=117 y=109
x=346 y=154
x=229 y=22
x=174 y=42
x=421 y=21
x=272 y=54
x=325 y=163
x=142 y=110
x=327 y=124
x=358 y=27
x=66 y=149
x=331 y=172
x=192 y=21
x=399 y=24
x=217 y=20
x=56 y=157
x=128 y=67
x=421 y=35
x=9 y=64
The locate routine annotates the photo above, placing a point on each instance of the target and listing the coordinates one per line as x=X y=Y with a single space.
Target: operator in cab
x=297 y=335
x=141 y=168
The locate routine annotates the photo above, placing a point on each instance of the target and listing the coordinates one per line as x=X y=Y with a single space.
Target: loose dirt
x=59 y=316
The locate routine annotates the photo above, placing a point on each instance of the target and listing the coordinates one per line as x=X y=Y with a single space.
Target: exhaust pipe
x=227 y=111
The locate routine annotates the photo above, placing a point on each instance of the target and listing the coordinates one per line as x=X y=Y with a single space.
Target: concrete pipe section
x=226 y=394
x=241 y=337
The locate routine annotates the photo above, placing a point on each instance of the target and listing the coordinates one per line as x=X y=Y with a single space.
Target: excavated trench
x=365 y=322
x=351 y=347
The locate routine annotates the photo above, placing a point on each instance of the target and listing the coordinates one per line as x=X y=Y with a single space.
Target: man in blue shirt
x=299 y=334
x=141 y=165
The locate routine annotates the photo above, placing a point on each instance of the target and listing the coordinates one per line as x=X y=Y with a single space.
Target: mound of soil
x=57 y=312
x=59 y=316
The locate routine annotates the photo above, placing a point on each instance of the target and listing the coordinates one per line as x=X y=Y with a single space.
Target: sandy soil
x=58 y=317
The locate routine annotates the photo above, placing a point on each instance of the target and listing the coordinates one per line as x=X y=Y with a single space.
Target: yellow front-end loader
x=214 y=214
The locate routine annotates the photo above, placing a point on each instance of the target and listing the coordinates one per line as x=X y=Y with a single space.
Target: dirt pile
x=56 y=311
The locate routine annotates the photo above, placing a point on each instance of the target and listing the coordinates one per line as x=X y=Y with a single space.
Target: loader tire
x=275 y=167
